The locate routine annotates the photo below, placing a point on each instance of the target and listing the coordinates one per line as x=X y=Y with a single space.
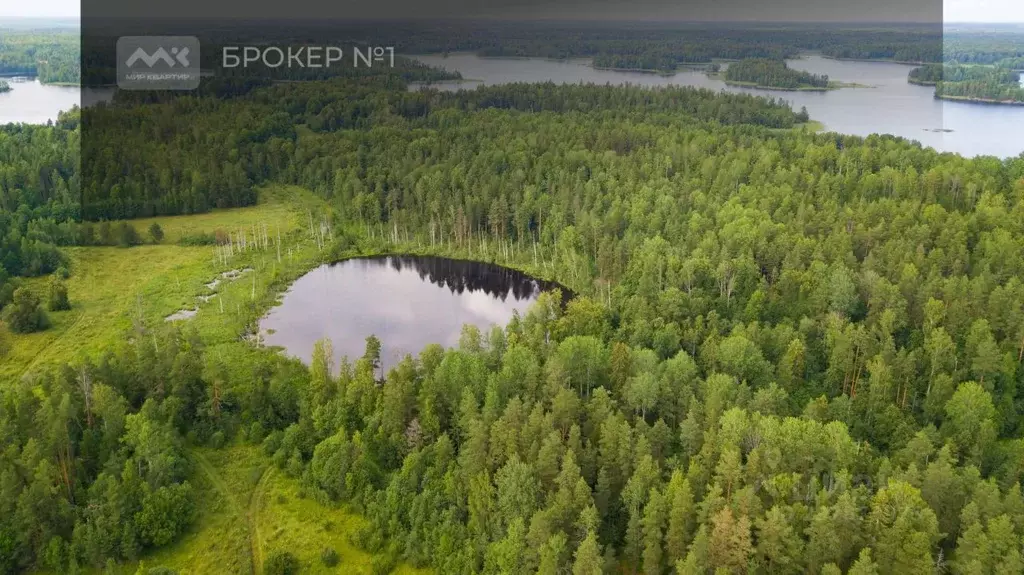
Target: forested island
x=774 y=74
x=991 y=84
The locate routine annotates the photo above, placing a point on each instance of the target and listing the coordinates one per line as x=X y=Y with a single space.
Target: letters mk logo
x=181 y=55
x=158 y=62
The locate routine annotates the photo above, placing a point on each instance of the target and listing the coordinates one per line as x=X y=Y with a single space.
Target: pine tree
x=653 y=526
x=777 y=543
x=730 y=544
x=681 y=518
x=864 y=564
x=588 y=557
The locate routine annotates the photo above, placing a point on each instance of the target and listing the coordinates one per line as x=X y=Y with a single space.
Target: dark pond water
x=406 y=301
x=890 y=106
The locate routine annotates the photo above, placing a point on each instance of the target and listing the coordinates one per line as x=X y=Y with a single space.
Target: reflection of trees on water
x=460 y=276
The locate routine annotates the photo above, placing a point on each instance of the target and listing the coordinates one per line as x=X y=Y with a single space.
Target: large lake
x=406 y=301
x=891 y=106
x=31 y=102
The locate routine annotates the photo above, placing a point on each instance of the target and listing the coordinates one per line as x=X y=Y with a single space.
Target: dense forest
x=52 y=55
x=1002 y=46
x=774 y=74
x=93 y=465
x=998 y=83
x=789 y=352
x=1012 y=63
x=38 y=198
x=934 y=73
x=668 y=45
x=255 y=141
x=992 y=88
x=652 y=433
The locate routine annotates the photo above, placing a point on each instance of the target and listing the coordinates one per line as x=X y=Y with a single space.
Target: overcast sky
x=747 y=10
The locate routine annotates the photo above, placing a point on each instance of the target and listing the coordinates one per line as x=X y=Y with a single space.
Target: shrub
x=156 y=233
x=281 y=563
x=7 y=290
x=329 y=557
x=382 y=564
x=256 y=432
x=198 y=239
x=57 y=298
x=63 y=272
x=280 y=458
x=165 y=514
x=294 y=465
x=127 y=235
x=217 y=440
x=25 y=314
x=5 y=340
x=106 y=236
x=272 y=443
x=86 y=234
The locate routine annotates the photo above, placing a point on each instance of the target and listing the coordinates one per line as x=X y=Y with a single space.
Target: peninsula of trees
x=977 y=83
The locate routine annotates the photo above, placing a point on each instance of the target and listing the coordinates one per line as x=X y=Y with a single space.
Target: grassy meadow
x=248 y=508
x=111 y=288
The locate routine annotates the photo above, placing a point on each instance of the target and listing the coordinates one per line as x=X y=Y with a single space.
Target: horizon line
x=521 y=18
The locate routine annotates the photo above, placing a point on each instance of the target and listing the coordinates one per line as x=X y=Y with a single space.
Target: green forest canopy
x=52 y=55
x=792 y=352
x=773 y=73
x=997 y=83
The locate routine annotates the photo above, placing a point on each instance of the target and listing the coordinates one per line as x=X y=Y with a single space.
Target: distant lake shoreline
x=30 y=101
x=892 y=106
x=981 y=101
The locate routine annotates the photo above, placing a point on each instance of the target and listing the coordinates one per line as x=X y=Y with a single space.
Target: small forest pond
x=406 y=301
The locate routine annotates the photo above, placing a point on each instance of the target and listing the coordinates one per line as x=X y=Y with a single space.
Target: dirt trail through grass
x=256 y=538
x=250 y=514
